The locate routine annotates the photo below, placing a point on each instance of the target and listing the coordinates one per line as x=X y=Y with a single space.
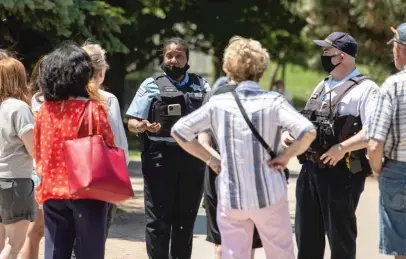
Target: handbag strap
x=88 y=105
x=252 y=127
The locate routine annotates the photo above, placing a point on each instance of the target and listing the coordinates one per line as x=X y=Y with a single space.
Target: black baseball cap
x=400 y=34
x=340 y=40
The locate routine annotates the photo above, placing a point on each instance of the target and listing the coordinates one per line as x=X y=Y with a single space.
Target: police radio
x=326 y=132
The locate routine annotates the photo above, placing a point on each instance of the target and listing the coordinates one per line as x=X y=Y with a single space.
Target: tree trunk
x=274 y=75
x=218 y=61
x=115 y=77
x=283 y=78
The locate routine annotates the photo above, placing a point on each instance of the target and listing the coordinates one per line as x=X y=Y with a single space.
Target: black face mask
x=174 y=72
x=326 y=63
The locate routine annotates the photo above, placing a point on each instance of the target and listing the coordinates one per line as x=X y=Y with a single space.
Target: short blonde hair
x=245 y=59
x=3 y=54
x=97 y=55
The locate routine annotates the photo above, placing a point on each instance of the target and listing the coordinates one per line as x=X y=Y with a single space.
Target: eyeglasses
x=403 y=43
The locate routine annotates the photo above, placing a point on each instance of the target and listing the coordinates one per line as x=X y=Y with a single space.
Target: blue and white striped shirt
x=246 y=181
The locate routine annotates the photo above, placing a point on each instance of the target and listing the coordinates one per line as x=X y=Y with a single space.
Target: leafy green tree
x=268 y=21
x=34 y=27
x=368 y=21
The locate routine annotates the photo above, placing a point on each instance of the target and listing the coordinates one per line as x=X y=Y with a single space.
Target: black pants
x=79 y=221
x=111 y=212
x=173 y=188
x=326 y=200
x=210 y=204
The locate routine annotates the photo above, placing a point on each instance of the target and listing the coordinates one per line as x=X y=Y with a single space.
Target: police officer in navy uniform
x=334 y=168
x=173 y=179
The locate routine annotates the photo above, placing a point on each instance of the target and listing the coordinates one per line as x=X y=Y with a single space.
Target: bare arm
x=135 y=125
x=140 y=126
x=205 y=140
x=337 y=152
x=296 y=148
x=354 y=143
x=28 y=140
x=375 y=154
x=196 y=149
x=301 y=145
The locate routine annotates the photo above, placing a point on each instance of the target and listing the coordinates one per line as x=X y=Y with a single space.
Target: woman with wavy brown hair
x=16 y=157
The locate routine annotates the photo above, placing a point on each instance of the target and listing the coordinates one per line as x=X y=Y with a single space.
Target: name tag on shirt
x=170 y=89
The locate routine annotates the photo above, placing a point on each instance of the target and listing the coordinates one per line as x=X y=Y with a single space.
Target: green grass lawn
x=299 y=81
x=135 y=155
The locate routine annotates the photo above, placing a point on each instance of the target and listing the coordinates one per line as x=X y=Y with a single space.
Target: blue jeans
x=392 y=208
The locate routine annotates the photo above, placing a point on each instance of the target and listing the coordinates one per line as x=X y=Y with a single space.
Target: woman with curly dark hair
x=64 y=81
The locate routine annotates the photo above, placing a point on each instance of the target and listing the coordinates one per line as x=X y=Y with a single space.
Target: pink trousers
x=274 y=228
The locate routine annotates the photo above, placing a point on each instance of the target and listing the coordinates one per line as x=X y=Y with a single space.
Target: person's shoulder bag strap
x=252 y=127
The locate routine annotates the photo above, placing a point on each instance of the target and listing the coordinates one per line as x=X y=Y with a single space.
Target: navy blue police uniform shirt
x=149 y=90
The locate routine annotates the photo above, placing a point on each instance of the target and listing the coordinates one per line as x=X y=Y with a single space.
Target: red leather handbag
x=96 y=171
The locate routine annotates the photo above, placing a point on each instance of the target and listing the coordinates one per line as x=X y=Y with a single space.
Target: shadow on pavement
x=200 y=225
x=128 y=226
x=134 y=168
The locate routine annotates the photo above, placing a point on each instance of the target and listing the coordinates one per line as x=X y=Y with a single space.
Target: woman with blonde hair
x=65 y=82
x=16 y=157
x=98 y=58
x=250 y=186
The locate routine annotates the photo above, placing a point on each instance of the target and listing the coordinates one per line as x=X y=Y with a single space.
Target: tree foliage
x=269 y=21
x=34 y=27
x=133 y=31
x=368 y=21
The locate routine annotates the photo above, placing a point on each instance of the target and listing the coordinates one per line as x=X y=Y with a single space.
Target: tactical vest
x=187 y=97
x=333 y=128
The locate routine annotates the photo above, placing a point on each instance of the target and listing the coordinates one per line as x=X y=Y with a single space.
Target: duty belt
x=315 y=158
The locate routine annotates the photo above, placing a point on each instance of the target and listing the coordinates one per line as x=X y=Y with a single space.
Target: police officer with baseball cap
x=334 y=168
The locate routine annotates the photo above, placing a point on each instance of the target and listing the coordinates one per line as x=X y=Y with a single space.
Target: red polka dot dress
x=57 y=122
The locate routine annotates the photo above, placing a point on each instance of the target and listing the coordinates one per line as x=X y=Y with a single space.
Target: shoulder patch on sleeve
x=373 y=94
x=145 y=85
x=141 y=91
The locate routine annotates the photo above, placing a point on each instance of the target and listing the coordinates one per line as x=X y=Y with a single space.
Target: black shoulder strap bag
x=255 y=132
